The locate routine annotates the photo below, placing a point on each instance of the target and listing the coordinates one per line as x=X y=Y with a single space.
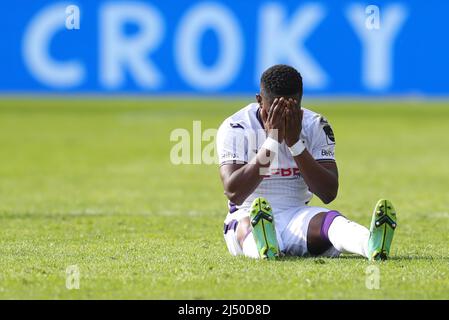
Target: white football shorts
x=291 y=230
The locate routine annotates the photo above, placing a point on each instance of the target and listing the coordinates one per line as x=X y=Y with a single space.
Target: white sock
x=249 y=247
x=349 y=237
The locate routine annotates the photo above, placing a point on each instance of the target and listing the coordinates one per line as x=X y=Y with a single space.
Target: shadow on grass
x=323 y=260
x=417 y=257
x=401 y=258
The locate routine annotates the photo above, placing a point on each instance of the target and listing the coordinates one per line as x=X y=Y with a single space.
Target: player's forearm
x=243 y=181
x=321 y=181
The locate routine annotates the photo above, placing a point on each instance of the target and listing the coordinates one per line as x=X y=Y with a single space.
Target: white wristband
x=297 y=148
x=271 y=144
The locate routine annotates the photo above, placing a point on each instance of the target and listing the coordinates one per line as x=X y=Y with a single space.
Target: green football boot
x=264 y=232
x=382 y=229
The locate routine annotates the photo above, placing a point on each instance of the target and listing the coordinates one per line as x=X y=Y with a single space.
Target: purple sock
x=330 y=216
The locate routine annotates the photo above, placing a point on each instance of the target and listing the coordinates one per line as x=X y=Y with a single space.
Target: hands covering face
x=284 y=120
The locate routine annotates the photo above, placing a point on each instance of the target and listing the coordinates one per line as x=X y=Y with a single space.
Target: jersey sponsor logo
x=327 y=153
x=228 y=155
x=283 y=172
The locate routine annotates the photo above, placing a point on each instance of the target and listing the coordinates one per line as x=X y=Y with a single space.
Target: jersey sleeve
x=323 y=140
x=231 y=144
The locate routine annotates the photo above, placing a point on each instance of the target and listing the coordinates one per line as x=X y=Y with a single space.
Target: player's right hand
x=293 y=122
x=275 y=123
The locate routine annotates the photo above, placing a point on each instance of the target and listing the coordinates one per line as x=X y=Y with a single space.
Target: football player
x=274 y=154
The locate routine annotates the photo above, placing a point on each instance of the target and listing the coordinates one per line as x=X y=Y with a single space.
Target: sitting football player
x=274 y=155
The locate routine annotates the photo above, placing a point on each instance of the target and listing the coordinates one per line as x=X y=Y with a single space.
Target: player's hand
x=293 y=122
x=275 y=122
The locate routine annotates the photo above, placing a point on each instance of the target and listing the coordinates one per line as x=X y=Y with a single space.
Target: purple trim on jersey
x=231 y=225
x=232 y=162
x=330 y=216
x=259 y=118
x=325 y=160
x=232 y=207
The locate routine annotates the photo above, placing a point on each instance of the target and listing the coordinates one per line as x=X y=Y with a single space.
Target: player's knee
x=243 y=229
x=316 y=244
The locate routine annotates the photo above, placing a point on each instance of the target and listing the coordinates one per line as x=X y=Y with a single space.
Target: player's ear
x=259 y=99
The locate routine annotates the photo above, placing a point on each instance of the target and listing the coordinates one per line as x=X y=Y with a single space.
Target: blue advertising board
x=221 y=47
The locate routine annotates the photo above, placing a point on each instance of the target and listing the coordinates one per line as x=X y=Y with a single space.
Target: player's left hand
x=293 y=122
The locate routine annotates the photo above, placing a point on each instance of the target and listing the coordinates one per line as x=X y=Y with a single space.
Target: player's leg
x=239 y=238
x=252 y=233
x=257 y=234
x=346 y=236
x=246 y=239
x=320 y=232
x=330 y=228
x=263 y=229
x=233 y=226
x=316 y=243
x=302 y=236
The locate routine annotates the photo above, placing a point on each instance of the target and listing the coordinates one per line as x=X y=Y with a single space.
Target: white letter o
x=187 y=44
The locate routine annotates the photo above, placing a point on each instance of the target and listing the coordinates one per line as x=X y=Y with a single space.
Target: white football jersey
x=240 y=137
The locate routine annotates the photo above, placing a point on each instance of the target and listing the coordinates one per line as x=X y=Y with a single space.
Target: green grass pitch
x=89 y=182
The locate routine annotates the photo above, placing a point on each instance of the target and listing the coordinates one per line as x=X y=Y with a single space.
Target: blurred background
x=352 y=48
x=91 y=91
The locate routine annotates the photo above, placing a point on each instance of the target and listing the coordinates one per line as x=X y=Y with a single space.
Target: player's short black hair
x=281 y=80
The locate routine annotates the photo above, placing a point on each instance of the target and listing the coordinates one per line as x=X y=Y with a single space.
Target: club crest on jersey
x=329 y=134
